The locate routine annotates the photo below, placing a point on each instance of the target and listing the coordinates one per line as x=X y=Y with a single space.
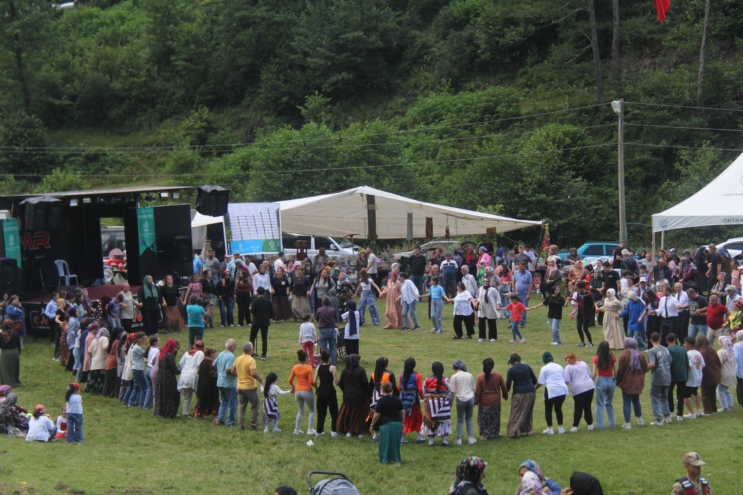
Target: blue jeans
x=525 y=302
x=148 y=395
x=367 y=299
x=640 y=337
x=515 y=330
x=127 y=392
x=504 y=289
x=139 y=389
x=659 y=402
x=418 y=281
x=605 y=386
x=630 y=401
x=229 y=320
x=74 y=427
x=327 y=341
x=194 y=335
x=437 y=306
x=409 y=307
x=555 y=330
x=695 y=329
x=228 y=400
x=76 y=354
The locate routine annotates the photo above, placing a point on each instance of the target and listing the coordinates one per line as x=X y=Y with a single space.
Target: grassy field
x=129 y=451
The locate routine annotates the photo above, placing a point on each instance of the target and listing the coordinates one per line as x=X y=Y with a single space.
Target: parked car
x=335 y=247
x=594 y=249
x=430 y=247
x=733 y=246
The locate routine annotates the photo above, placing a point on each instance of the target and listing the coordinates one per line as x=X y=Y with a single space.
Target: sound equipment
x=42 y=213
x=36 y=215
x=9 y=276
x=182 y=249
x=54 y=215
x=212 y=200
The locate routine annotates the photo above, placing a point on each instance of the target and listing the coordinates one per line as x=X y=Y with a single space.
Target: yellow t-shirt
x=243 y=365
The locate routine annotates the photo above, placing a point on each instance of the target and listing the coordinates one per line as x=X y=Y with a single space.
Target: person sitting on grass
x=548 y=486
x=40 y=426
x=468 y=477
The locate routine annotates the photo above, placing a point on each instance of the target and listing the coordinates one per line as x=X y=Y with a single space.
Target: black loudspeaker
x=9 y=275
x=36 y=215
x=212 y=200
x=182 y=249
x=54 y=215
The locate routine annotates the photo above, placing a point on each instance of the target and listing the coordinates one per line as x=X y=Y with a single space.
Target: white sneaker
x=523 y=340
x=701 y=413
x=493 y=340
x=471 y=441
x=433 y=331
x=298 y=432
x=361 y=436
x=668 y=419
x=311 y=432
x=574 y=429
x=679 y=418
x=374 y=437
x=481 y=340
x=555 y=343
x=560 y=430
x=549 y=431
x=657 y=423
x=265 y=430
x=458 y=441
x=276 y=430
x=627 y=426
x=349 y=435
x=690 y=416
x=334 y=434
x=590 y=427
x=640 y=422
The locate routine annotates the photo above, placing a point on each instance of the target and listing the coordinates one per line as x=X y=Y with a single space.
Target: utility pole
x=618 y=107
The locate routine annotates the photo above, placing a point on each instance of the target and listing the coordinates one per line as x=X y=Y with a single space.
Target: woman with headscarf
x=280 y=296
x=522 y=378
x=612 y=308
x=490 y=387
x=124 y=366
x=172 y=319
x=552 y=277
x=727 y=377
x=630 y=378
x=300 y=295
x=686 y=274
x=16 y=314
x=577 y=273
x=188 y=383
x=10 y=353
x=93 y=330
x=468 y=477
x=393 y=307
x=207 y=392
x=111 y=382
x=585 y=484
x=711 y=374
x=99 y=354
x=355 y=408
x=12 y=417
x=437 y=405
x=578 y=376
x=351 y=332
x=166 y=391
x=322 y=285
x=149 y=301
x=463 y=388
x=547 y=486
x=634 y=311
x=411 y=391
x=529 y=484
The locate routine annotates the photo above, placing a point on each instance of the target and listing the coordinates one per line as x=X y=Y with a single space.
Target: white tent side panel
x=719 y=203
x=346 y=212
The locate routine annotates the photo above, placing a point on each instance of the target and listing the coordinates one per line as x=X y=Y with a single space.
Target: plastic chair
x=63 y=270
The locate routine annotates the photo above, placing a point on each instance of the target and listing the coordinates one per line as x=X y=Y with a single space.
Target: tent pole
x=663 y=239
x=652 y=265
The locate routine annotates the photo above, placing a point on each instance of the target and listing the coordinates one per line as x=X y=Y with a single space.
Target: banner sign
x=12 y=240
x=146 y=229
x=255 y=228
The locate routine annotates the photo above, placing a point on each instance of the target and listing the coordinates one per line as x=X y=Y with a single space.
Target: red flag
x=662 y=6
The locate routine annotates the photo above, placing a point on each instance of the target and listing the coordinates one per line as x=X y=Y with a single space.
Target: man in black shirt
x=487 y=245
x=714 y=261
x=611 y=279
x=662 y=272
x=630 y=264
x=522 y=257
x=617 y=263
x=417 y=264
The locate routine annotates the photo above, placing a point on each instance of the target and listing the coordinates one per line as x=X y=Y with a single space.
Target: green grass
x=130 y=451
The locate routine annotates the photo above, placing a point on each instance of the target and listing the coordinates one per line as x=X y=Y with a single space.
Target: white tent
x=719 y=203
x=199 y=223
x=363 y=209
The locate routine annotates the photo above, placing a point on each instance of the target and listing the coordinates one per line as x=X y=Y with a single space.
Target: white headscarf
x=611 y=294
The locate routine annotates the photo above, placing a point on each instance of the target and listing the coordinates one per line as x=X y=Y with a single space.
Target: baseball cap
x=687 y=252
x=731 y=288
x=693 y=459
x=643 y=279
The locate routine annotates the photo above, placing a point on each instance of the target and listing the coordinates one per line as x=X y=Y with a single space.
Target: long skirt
x=433 y=423
x=389 y=442
x=173 y=319
x=10 y=367
x=522 y=413
x=95 y=382
x=64 y=349
x=393 y=314
x=300 y=307
x=111 y=384
x=413 y=420
x=488 y=421
x=353 y=419
x=281 y=308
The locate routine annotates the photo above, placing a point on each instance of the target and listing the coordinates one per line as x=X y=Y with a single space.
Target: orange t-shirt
x=303 y=373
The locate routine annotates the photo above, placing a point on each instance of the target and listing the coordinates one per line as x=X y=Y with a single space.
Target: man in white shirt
x=449 y=272
x=696 y=364
x=371 y=266
x=409 y=297
x=279 y=263
x=669 y=315
x=50 y=311
x=683 y=307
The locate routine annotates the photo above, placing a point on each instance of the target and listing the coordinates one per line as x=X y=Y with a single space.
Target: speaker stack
x=212 y=200
x=9 y=276
x=42 y=213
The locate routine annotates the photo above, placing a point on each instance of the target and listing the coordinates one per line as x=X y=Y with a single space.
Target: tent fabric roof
x=719 y=203
x=200 y=220
x=346 y=212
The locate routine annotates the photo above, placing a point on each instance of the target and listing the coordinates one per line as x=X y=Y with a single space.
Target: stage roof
x=7 y=200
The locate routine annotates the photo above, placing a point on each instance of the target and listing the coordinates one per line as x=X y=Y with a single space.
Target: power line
x=263 y=172
x=683 y=127
x=682 y=106
x=402 y=131
x=683 y=147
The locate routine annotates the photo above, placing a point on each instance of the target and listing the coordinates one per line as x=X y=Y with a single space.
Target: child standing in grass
x=516 y=309
x=270 y=404
x=74 y=414
x=308 y=337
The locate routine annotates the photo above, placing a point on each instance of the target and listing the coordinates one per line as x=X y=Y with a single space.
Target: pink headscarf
x=727 y=344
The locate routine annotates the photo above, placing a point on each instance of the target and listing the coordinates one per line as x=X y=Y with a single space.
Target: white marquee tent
x=719 y=203
x=363 y=209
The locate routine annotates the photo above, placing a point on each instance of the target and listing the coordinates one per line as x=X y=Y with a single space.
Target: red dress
x=413 y=418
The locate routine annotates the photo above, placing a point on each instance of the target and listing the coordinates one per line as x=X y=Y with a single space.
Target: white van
x=335 y=247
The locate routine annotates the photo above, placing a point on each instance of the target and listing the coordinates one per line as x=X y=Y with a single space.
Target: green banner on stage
x=12 y=240
x=146 y=228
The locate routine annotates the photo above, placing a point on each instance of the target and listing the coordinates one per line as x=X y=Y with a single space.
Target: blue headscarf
x=352 y=329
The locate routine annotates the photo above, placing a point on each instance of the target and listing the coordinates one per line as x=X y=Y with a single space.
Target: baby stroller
x=340 y=343
x=340 y=485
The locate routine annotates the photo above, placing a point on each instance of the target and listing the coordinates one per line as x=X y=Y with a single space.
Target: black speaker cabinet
x=54 y=215
x=36 y=215
x=9 y=276
x=212 y=200
x=182 y=249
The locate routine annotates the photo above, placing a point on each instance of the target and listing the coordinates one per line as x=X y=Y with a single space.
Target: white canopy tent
x=199 y=223
x=367 y=211
x=719 y=203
